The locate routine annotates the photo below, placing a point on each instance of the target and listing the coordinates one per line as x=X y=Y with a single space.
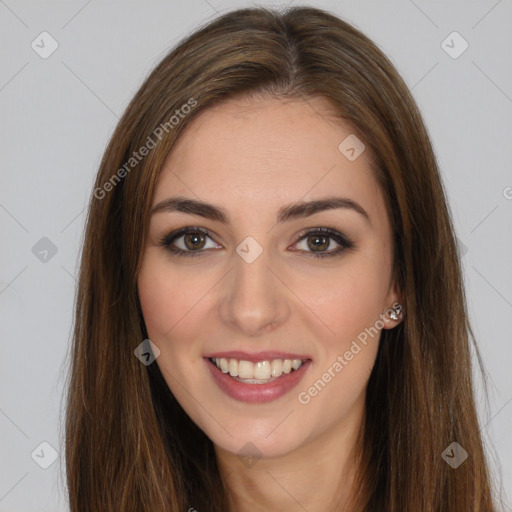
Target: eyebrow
x=285 y=213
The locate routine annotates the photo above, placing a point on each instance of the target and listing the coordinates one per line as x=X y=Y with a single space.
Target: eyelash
x=344 y=242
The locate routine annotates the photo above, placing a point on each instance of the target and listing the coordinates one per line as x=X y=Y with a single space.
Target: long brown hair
x=129 y=444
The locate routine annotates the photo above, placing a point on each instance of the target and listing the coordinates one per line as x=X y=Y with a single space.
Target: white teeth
x=245 y=370
x=262 y=370
x=276 y=367
x=233 y=367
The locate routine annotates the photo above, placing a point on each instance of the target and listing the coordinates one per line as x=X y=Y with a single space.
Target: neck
x=317 y=477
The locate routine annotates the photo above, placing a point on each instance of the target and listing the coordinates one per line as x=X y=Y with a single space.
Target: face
x=258 y=285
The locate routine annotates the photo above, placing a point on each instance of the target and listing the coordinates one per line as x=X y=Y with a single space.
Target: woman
x=270 y=312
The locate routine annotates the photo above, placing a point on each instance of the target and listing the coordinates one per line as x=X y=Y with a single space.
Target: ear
x=393 y=305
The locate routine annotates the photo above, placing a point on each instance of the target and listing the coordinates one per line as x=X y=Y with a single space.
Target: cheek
x=157 y=303
x=351 y=309
x=169 y=301
x=166 y=297
x=351 y=300
x=350 y=304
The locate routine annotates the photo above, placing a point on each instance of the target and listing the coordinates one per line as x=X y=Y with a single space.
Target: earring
x=396 y=312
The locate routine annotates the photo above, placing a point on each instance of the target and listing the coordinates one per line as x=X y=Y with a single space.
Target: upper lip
x=256 y=356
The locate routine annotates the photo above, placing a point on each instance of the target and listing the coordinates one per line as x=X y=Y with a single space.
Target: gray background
x=58 y=113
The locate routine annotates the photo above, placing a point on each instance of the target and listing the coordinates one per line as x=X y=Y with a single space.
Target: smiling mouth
x=259 y=381
x=261 y=372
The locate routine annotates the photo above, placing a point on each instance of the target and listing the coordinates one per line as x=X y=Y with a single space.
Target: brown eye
x=316 y=242
x=319 y=243
x=194 y=241
x=189 y=242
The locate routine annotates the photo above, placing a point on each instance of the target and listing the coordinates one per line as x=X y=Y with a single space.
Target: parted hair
x=129 y=444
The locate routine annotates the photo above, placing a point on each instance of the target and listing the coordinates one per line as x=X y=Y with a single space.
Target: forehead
x=259 y=154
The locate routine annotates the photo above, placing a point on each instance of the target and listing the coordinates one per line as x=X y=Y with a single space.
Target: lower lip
x=257 y=393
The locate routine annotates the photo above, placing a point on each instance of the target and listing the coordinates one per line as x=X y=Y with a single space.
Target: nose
x=255 y=300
